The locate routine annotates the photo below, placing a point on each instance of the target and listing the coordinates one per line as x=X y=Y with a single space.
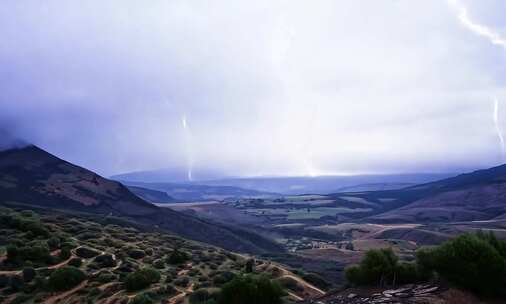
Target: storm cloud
x=267 y=87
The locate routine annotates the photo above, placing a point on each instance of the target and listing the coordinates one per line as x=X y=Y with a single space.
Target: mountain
x=168 y=175
x=195 y=192
x=30 y=176
x=480 y=195
x=327 y=184
x=152 y=196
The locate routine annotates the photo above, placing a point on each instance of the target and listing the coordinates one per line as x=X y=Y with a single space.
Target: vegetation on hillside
x=476 y=262
x=68 y=258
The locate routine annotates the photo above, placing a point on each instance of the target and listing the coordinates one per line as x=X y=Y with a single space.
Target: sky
x=257 y=87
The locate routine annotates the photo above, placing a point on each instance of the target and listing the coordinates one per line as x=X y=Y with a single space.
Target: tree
x=472 y=262
x=65 y=278
x=141 y=278
x=251 y=290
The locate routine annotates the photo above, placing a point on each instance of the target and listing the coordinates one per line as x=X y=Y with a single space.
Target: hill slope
x=480 y=195
x=31 y=176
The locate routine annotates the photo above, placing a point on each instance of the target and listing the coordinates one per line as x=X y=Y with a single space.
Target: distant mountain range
x=192 y=192
x=30 y=176
x=288 y=185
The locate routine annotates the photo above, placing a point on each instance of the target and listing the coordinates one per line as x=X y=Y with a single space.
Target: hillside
x=55 y=257
x=480 y=195
x=31 y=176
x=152 y=196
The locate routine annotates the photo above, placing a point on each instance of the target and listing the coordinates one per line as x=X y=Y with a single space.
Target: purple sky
x=264 y=87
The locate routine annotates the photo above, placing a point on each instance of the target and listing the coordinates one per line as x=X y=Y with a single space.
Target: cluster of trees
x=141 y=279
x=251 y=289
x=475 y=262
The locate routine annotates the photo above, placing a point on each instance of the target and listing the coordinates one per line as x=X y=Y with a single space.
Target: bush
x=474 y=262
x=76 y=262
x=203 y=296
x=248 y=268
x=86 y=253
x=53 y=243
x=65 y=253
x=177 y=257
x=251 y=290
x=381 y=267
x=65 y=278
x=141 y=278
x=160 y=264
x=105 y=261
x=136 y=254
x=28 y=274
x=142 y=299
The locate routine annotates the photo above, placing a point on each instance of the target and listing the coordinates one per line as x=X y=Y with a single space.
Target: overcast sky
x=257 y=87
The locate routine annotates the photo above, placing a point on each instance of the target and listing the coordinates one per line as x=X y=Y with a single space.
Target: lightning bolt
x=482 y=30
x=189 y=152
x=498 y=128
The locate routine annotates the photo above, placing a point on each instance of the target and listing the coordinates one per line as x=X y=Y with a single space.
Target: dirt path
x=66 y=294
x=182 y=293
x=296 y=297
x=304 y=283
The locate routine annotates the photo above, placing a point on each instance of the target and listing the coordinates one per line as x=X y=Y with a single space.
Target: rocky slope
x=32 y=176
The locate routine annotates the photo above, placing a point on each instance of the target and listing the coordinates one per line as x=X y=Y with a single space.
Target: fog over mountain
x=257 y=88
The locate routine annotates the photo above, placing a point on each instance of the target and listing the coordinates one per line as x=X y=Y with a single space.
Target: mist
x=264 y=87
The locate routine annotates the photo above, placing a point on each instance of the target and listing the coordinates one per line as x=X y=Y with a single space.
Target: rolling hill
x=479 y=195
x=30 y=176
x=195 y=192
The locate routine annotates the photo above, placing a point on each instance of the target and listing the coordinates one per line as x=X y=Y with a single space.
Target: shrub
x=28 y=274
x=142 y=299
x=86 y=253
x=53 y=243
x=182 y=281
x=251 y=290
x=249 y=266
x=381 y=267
x=65 y=278
x=223 y=277
x=203 y=296
x=141 y=278
x=136 y=254
x=160 y=264
x=177 y=257
x=474 y=262
x=105 y=260
x=65 y=253
x=76 y=262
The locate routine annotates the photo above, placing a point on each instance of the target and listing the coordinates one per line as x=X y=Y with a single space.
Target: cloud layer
x=266 y=87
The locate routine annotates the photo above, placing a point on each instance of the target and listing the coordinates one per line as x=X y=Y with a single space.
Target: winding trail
x=57 y=298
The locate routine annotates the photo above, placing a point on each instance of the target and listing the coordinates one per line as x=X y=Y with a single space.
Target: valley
x=305 y=242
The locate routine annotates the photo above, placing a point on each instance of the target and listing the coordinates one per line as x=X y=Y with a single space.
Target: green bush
x=76 y=262
x=177 y=257
x=53 y=243
x=203 y=296
x=475 y=262
x=136 y=253
x=141 y=279
x=142 y=299
x=251 y=290
x=65 y=278
x=381 y=267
